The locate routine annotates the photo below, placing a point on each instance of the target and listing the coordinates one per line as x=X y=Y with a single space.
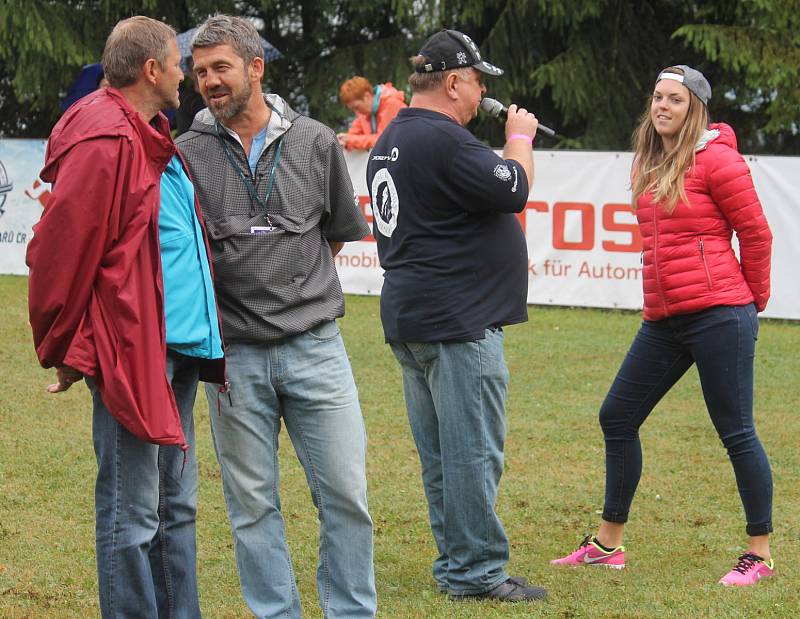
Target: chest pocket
x=229 y=225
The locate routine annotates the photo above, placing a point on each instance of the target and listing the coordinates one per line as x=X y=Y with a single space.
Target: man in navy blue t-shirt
x=456 y=271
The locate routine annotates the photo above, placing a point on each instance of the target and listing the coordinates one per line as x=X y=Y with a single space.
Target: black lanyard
x=247 y=182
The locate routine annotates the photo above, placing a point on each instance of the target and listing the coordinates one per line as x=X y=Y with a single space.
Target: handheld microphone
x=494 y=108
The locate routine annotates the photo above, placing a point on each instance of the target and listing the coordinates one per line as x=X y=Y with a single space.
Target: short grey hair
x=237 y=32
x=133 y=42
x=425 y=82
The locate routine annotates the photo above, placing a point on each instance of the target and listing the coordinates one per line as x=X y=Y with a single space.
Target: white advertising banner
x=20 y=208
x=584 y=247
x=583 y=243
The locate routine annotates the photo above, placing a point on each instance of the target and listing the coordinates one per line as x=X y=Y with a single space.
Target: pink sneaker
x=748 y=571
x=589 y=553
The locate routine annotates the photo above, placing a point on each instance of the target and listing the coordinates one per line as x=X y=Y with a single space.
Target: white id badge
x=262 y=229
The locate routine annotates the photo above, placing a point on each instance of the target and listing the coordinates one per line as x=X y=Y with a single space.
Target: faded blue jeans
x=455 y=396
x=307 y=382
x=146 y=502
x=721 y=342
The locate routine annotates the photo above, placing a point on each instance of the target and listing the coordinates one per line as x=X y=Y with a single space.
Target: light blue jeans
x=455 y=395
x=307 y=381
x=145 y=504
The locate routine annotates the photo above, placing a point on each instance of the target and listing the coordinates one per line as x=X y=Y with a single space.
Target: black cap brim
x=488 y=68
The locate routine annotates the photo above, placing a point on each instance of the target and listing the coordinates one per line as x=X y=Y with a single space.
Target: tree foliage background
x=584 y=66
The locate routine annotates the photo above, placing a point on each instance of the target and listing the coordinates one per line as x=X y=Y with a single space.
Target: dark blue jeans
x=721 y=341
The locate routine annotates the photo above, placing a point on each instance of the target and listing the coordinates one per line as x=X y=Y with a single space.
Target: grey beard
x=234 y=107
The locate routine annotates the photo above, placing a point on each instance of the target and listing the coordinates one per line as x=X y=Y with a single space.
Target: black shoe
x=517 y=580
x=511 y=590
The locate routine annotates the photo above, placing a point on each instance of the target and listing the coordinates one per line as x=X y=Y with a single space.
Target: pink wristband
x=520 y=136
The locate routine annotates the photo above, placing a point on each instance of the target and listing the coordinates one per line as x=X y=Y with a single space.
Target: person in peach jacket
x=374 y=109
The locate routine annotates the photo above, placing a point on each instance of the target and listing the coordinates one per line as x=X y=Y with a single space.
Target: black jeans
x=721 y=341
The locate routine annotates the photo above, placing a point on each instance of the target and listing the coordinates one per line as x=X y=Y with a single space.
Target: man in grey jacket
x=279 y=205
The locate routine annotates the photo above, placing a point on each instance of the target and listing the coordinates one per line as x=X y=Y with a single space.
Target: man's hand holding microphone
x=521 y=126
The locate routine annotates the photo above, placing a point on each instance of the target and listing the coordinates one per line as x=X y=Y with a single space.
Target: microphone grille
x=491 y=106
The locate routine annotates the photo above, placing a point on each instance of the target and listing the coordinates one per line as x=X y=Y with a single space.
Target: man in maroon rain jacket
x=120 y=293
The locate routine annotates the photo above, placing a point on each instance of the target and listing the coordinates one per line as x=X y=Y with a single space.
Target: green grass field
x=561 y=362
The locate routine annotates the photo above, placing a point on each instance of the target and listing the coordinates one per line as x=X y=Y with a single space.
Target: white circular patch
x=385 y=203
x=502 y=172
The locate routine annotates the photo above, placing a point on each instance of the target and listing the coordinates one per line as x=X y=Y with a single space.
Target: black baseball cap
x=451 y=49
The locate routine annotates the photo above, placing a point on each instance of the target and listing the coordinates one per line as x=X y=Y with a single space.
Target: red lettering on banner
x=608 y=271
x=560 y=210
x=609 y=223
x=366 y=208
x=531 y=205
x=537 y=205
x=358 y=261
x=586 y=211
x=39 y=192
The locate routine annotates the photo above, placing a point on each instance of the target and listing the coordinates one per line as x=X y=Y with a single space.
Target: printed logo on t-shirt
x=385 y=203
x=502 y=172
x=393 y=156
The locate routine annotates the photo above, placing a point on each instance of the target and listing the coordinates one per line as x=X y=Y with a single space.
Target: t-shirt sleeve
x=345 y=219
x=485 y=181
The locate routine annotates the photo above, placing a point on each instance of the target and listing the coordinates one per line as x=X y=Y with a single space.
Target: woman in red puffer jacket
x=691 y=191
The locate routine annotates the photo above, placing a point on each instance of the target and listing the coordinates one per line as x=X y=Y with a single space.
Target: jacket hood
x=718 y=133
x=106 y=113
x=390 y=92
x=204 y=120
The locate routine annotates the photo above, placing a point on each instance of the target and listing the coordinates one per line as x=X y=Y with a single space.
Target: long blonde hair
x=659 y=171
